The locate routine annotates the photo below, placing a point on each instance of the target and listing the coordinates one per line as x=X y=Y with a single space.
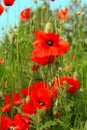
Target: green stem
x=18 y=65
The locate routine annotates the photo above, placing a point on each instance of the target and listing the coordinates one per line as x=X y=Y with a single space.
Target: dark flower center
x=41 y=103
x=50 y=42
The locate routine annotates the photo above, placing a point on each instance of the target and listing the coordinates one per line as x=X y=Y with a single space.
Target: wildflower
x=25 y=14
x=26 y=91
x=29 y=108
x=21 y=122
x=2 y=62
x=72 y=85
x=43 y=60
x=8 y=2
x=1 y=9
x=49 y=44
x=40 y=97
x=18 y=123
x=63 y=14
x=17 y=100
x=6 y=122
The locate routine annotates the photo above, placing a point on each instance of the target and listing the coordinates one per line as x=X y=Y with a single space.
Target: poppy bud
x=48 y=27
x=34 y=17
x=78 y=13
x=74 y=1
x=44 y=7
x=82 y=13
x=35 y=1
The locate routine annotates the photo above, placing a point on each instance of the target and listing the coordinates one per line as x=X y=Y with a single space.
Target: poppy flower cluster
x=48 y=46
x=39 y=95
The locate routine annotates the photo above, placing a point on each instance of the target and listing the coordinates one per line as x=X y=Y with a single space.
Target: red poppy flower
x=2 y=62
x=49 y=44
x=29 y=108
x=72 y=85
x=43 y=60
x=17 y=101
x=63 y=14
x=6 y=122
x=41 y=98
x=21 y=122
x=25 y=14
x=1 y=9
x=28 y=90
x=8 y=2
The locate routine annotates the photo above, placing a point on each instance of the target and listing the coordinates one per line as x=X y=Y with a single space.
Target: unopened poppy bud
x=6 y=9
x=60 y=69
x=34 y=17
x=59 y=30
x=48 y=27
x=74 y=1
x=64 y=60
x=79 y=1
x=82 y=13
x=78 y=13
x=75 y=74
x=86 y=41
x=35 y=1
x=44 y=7
x=27 y=99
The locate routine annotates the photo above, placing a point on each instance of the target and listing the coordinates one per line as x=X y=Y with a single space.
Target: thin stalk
x=18 y=64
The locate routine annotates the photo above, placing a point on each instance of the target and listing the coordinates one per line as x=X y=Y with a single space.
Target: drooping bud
x=78 y=13
x=48 y=27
